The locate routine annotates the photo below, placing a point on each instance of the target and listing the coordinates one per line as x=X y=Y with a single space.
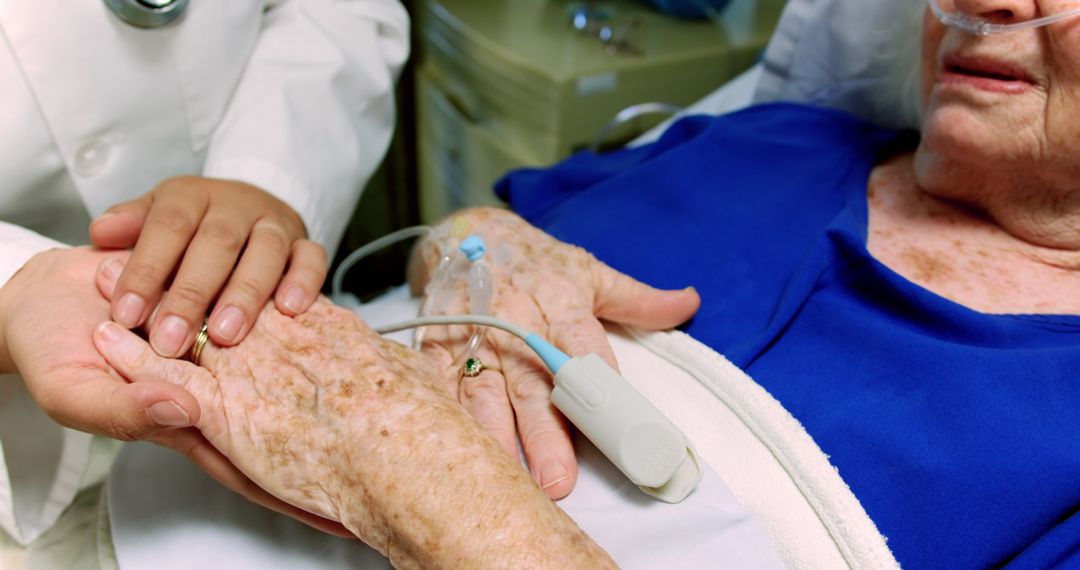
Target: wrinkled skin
x=326 y=415
x=558 y=291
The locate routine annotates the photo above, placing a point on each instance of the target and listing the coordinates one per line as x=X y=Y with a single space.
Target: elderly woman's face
x=1010 y=99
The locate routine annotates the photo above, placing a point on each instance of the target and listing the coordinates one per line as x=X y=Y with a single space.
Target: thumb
x=133 y=358
x=623 y=299
x=119 y=227
x=96 y=402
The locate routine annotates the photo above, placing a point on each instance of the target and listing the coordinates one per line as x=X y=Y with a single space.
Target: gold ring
x=200 y=343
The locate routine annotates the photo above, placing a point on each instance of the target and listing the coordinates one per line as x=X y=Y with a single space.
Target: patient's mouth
x=985 y=74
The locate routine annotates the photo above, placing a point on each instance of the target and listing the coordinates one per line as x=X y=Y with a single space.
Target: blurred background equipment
x=500 y=84
x=691 y=8
x=515 y=83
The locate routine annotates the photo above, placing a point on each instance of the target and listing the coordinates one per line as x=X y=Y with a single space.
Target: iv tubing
x=370 y=247
x=456 y=320
x=552 y=357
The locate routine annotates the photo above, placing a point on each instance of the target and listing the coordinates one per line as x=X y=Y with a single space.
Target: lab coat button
x=91 y=157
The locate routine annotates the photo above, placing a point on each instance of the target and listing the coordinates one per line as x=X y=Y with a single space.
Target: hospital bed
x=770 y=498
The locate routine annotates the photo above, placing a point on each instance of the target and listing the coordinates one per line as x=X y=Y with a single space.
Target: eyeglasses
x=983 y=27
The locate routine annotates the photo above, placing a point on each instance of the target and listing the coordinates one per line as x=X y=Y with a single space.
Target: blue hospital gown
x=958 y=431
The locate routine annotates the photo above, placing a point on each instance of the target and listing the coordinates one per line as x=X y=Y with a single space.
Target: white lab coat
x=292 y=96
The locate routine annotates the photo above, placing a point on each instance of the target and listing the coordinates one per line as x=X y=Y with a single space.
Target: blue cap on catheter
x=552 y=357
x=473 y=247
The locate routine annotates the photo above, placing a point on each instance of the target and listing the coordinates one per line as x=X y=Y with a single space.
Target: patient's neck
x=966 y=255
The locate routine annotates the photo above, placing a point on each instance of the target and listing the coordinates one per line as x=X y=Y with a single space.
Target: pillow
x=861 y=56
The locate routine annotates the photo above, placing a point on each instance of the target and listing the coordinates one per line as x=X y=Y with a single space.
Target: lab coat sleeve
x=17 y=246
x=313 y=113
x=43 y=464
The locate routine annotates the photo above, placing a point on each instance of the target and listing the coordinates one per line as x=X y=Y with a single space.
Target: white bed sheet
x=166 y=514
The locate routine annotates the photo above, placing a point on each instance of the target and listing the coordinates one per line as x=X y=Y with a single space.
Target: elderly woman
x=904 y=298
x=909 y=300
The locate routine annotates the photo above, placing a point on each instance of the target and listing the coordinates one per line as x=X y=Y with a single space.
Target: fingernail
x=691 y=289
x=169 y=336
x=112 y=269
x=168 y=414
x=118 y=343
x=294 y=299
x=109 y=331
x=552 y=474
x=128 y=310
x=227 y=323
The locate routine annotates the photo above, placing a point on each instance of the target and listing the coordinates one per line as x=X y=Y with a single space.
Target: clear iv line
x=371 y=247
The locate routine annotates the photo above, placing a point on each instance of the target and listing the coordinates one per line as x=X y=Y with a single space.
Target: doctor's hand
x=558 y=291
x=49 y=309
x=199 y=239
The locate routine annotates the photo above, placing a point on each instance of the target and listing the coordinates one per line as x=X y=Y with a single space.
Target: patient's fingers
x=133 y=358
x=545 y=434
x=484 y=397
x=192 y=444
x=578 y=333
x=440 y=351
x=623 y=299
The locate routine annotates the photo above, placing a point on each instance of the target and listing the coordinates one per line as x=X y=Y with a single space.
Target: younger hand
x=49 y=310
x=215 y=239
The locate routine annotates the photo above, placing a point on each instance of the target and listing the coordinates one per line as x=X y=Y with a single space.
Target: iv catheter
x=983 y=27
x=480 y=288
x=618 y=420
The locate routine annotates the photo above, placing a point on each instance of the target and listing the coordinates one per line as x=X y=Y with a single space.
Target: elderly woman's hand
x=328 y=416
x=558 y=291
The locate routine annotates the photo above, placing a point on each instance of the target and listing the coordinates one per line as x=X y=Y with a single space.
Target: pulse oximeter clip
x=617 y=419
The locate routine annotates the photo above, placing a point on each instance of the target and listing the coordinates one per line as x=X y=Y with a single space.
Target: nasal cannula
x=983 y=27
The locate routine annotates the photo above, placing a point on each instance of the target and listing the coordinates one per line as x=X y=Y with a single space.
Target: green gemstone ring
x=473 y=367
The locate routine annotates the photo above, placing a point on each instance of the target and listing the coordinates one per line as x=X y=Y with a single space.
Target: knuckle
x=248 y=292
x=530 y=387
x=316 y=252
x=144 y=271
x=545 y=434
x=123 y=429
x=273 y=237
x=486 y=387
x=176 y=222
x=313 y=274
x=188 y=294
x=225 y=236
